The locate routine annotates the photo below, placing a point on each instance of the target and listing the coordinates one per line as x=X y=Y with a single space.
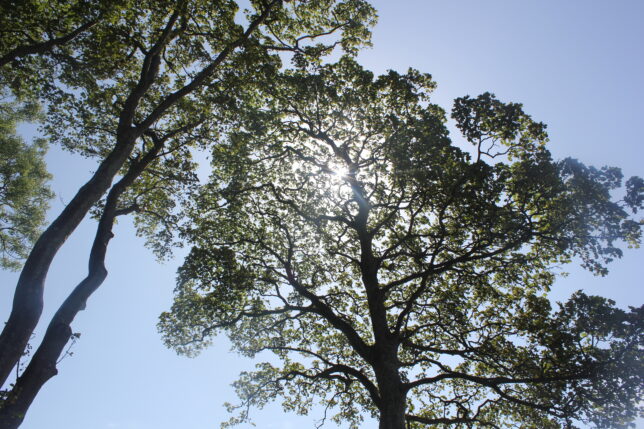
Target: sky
x=575 y=65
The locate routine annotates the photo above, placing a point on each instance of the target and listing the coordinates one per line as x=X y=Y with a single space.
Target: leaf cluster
x=24 y=194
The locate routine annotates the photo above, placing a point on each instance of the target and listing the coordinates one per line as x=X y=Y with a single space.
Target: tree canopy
x=395 y=274
x=24 y=194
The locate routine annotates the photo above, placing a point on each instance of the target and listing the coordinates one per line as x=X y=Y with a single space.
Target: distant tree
x=397 y=275
x=24 y=194
x=139 y=86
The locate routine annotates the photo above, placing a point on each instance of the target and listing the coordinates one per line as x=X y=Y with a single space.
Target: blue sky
x=576 y=65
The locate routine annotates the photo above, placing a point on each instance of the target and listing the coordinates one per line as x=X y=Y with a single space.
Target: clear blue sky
x=576 y=65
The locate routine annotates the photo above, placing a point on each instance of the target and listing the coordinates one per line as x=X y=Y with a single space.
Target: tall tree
x=398 y=275
x=24 y=194
x=146 y=79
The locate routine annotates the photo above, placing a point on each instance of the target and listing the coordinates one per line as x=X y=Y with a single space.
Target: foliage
x=24 y=193
x=37 y=35
x=395 y=274
x=96 y=72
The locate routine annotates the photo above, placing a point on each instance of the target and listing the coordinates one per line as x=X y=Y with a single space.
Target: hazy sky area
x=576 y=65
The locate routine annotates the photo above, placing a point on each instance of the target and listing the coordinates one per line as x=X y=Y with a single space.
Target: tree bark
x=392 y=413
x=41 y=368
x=393 y=392
x=393 y=397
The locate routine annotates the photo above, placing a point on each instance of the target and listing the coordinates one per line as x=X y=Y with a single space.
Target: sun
x=339 y=172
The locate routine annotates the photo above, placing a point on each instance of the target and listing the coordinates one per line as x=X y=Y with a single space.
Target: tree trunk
x=42 y=366
x=393 y=395
x=28 y=298
x=392 y=411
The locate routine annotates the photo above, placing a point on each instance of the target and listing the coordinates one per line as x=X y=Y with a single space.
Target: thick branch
x=46 y=46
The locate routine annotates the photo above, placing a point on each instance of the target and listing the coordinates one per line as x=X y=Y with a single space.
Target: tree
x=24 y=194
x=139 y=89
x=395 y=274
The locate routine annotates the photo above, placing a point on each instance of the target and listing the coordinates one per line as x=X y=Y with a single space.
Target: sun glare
x=340 y=172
